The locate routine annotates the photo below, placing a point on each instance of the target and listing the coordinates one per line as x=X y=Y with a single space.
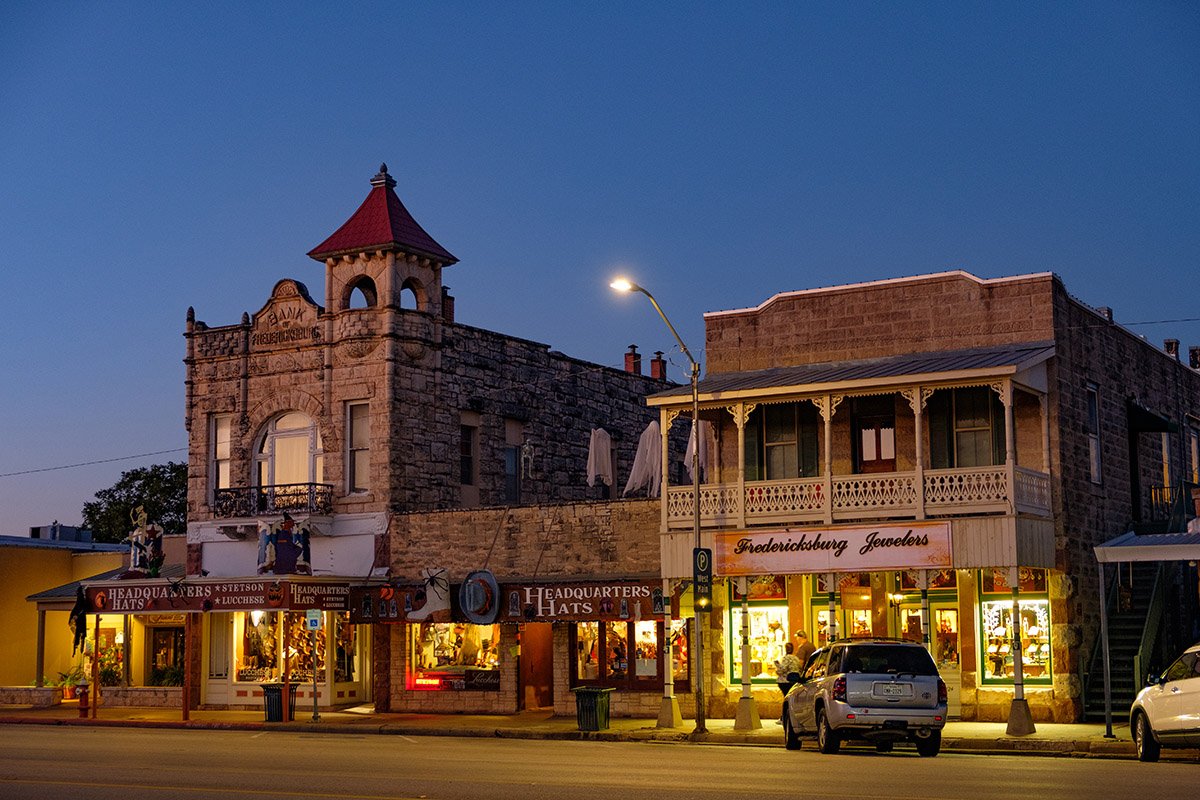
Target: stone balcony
x=848 y=498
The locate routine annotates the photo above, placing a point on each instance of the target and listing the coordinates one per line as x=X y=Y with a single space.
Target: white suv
x=880 y=690
x=1167 y=712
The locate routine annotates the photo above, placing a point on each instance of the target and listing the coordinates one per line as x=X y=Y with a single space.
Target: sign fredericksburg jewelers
x=862 y=548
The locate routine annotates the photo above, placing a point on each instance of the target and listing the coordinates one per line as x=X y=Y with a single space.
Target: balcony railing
x=266 y=501
x=973 y=490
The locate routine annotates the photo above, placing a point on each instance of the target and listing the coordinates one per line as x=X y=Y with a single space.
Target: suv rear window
x=883 y=658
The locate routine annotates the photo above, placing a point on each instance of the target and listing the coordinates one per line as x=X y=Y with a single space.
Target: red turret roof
x=381 y=222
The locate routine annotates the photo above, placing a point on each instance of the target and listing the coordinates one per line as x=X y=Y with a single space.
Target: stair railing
x=1149 y=642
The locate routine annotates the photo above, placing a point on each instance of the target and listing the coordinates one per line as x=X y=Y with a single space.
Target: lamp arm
x=675 y=333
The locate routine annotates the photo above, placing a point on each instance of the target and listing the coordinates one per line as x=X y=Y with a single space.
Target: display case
x=451 y=656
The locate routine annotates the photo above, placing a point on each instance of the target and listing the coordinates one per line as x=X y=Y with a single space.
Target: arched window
x=362 y=294
x=412 y=296
x=289 y=451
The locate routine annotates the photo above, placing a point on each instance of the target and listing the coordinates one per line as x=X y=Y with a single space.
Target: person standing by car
x=804 y=648
x=786 y=666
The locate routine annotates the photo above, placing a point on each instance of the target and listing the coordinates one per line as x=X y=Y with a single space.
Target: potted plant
x=68 y=680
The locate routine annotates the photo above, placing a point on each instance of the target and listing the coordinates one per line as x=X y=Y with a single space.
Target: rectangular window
x=966 y=428
x=514 y=439
x=781 y=442
x=1093 y=431
x=222 y=426
x=627 y=654
x=466 y=455
x=358 y=460
x=453 y=657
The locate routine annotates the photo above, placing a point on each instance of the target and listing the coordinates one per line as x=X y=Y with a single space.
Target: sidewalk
x=1081 y=740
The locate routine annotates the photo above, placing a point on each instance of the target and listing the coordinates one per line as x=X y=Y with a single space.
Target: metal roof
x=67 y=590
x=62 y=544
x=1018 y=356
x=1150 y=547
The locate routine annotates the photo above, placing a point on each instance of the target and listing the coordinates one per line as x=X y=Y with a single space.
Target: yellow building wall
x=26 y=571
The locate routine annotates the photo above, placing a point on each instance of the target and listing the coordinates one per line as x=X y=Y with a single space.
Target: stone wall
x=33 y=696
x=885 y=318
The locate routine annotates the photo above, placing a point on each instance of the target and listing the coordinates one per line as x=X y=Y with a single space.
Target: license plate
x=893 y=689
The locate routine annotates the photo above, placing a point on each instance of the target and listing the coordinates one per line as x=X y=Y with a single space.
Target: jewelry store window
x=454 y=656
x=853 y=604
x=766 y=601
x=625 y=654
x=996 y=627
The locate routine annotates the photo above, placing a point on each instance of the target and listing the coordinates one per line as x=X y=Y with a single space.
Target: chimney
x=658 y=366
x=1194 y=357
x=447 y=305
x=1172 y=348
x=1105 y=312
x=633 y=360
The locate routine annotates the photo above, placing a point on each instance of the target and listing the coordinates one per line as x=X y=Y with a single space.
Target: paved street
x=132 y=764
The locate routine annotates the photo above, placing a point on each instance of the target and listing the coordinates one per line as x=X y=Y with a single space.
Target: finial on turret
x=382 y=178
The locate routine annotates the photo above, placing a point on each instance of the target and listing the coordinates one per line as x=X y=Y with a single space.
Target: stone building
x=361 y=459
x=908 y=457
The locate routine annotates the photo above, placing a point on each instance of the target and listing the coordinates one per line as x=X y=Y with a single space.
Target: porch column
x=126 y=648
x=95 y=687
x=916 y=401
x=1108 y=719
x=665 y=419
x=740 y=412
x=668 y=712
x=1005 y=390
x=40 y=679
x=747 y=712
x=923 y=585
x=831 y=586
x=827 y=405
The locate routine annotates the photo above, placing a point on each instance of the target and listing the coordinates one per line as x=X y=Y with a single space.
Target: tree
x=161 y=489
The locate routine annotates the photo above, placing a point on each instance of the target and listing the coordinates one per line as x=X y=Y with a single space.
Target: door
x=875 y=434
x=536 y=688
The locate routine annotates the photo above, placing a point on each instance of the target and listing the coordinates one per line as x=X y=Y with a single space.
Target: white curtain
x=599 y=463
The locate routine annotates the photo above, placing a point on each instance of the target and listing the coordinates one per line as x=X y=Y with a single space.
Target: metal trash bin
x=273 y=701
x=591 y=707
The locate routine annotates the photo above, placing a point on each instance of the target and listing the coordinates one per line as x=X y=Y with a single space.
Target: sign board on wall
x=198 y=595
x=565 y=602
x=860 y=548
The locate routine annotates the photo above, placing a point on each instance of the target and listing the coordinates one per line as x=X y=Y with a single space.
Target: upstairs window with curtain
x=219 y=470
x=966 y=428
x=781 y=442
x=358 y=435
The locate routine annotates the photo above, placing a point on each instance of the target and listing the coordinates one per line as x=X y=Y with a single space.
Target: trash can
x=273 y=701
x=591 y=707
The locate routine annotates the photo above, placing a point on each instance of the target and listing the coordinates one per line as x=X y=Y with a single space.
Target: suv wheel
x=931 y=745
x=1143 y=739
x=828 y=740
x=791 y=739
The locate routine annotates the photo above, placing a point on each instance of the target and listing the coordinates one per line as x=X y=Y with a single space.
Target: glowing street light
x=626 y=285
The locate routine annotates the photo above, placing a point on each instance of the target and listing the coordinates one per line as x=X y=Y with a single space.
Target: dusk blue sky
x=164 y=155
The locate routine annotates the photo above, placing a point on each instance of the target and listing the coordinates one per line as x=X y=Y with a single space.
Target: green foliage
x=161 y=488
x=171 y=675
x=72 y=677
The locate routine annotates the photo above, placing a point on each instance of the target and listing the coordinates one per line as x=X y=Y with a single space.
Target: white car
x=1167 y=712
x=882 y=691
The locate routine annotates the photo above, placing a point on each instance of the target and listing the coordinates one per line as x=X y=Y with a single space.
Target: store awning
x=62 y=598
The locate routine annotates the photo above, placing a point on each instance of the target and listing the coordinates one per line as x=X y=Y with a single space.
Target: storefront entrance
x=536 y=675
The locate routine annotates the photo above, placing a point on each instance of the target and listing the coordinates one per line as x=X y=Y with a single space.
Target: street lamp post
x=623 y=285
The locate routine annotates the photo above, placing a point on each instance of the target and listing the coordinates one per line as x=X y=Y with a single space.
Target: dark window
x=781 y=442
x=466 y=455
x=1093 y=432
x=966 y=428
x=512 y=474
x=875 y=434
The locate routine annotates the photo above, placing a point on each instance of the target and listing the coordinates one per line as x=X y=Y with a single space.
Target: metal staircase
x=1126 y=624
